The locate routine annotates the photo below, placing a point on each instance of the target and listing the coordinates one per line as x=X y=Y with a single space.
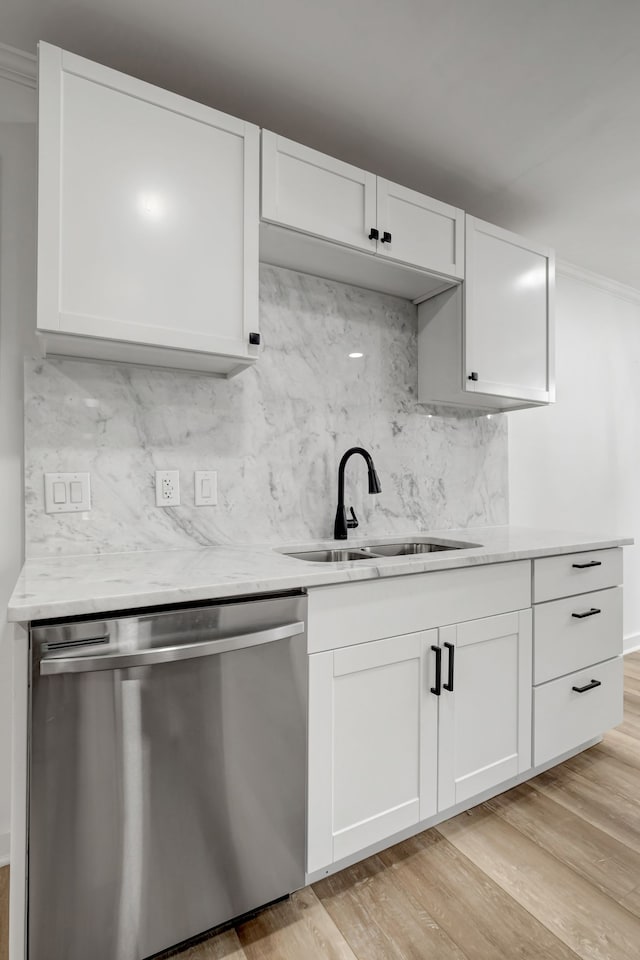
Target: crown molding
x=621 y=290
x=18 y=66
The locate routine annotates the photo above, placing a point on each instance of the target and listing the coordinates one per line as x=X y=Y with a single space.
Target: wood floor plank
x=621 y=779
x=620 y=747
x=296 y=928
x=224 y=946
x=586 y=920
x=599 y=858
x=632 y=699
x=631 y=667
x=631 y=722
x=596 y=803
x=477 y=914
x=379 y=919
x=632 y=685
x=4 y=913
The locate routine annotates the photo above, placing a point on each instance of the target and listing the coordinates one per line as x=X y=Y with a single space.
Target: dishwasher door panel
x=165 y=799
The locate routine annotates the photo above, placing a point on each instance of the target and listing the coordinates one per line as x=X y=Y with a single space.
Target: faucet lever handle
x=353 y=523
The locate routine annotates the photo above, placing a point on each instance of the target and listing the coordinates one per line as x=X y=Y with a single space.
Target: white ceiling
x=523 y=112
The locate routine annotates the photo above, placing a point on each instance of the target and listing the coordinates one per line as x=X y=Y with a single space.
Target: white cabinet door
x=418 y=230
x=509 y=290
x=368 y=717
x=309 y=191
x=148 y=214
x=485 y=721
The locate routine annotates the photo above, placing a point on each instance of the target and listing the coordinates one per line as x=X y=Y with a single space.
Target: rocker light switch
x=205 y=488
x=67 y=492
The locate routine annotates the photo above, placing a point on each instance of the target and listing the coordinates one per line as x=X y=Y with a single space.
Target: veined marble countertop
x=69 y=586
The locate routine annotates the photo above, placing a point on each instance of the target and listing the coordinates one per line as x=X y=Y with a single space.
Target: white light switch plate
x=67 y=492
x=205 y=488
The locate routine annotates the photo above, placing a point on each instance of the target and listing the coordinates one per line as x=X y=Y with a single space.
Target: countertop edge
x=27 y=608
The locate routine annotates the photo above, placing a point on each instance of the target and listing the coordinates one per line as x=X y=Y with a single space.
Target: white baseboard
x=631 y=643
x=5 y=846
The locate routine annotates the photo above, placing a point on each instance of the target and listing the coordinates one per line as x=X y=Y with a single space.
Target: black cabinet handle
x=254 y=338
x=449 y=684
x=373 y=234
x=386 y=237
x=591 y=563
x=438 y=687
x=589 y=613
x=589 y=686
x=473 y=376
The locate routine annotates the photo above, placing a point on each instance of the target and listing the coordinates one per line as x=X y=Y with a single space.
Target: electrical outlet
x=167 y=488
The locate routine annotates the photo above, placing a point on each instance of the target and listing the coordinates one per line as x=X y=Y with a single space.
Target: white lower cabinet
x=573 y=709
x=485 y=720
x=578 y=673
x=409 y=728
x=403 y=727
x=368 y=720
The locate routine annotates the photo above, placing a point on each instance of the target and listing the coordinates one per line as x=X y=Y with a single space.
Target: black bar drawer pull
x=438 y=687
x=449 y=684
x=588 y=613
x=589 y=686
x=591 y=563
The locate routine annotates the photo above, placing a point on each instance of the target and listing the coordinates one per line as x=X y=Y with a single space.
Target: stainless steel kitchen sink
x=372 y=551
x=331 y=556
x=413 y=547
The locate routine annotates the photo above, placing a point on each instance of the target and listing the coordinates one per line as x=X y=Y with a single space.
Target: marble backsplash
x=275 y=434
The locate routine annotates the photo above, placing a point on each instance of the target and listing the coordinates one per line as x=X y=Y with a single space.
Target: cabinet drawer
x=574 y=573
x=572 y=633
x=564 y=718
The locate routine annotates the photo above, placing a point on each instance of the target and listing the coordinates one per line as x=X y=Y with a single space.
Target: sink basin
x=371 y=551
x=413 y=547
x=331 y=556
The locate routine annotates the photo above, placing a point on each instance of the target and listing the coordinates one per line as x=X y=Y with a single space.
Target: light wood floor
x=548 y=871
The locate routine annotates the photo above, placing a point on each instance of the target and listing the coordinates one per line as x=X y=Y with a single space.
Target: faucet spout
x=342 y=525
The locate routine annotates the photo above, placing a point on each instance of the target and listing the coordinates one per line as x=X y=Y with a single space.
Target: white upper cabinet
x=308 y=191
x=508 y=310
x=419 y=230
x=490 y=344
x=147 y=222
x=321 y=215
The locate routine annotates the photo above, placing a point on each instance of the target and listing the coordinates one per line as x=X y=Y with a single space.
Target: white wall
x=17 y=310
x=576 y=465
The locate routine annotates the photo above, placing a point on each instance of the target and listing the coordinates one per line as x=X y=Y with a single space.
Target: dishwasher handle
x=183 y=651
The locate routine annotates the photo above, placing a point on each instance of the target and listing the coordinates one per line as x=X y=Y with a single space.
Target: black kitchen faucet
x=342 y=525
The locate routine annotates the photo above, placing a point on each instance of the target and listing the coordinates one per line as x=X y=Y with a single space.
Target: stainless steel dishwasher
x=167 y=774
